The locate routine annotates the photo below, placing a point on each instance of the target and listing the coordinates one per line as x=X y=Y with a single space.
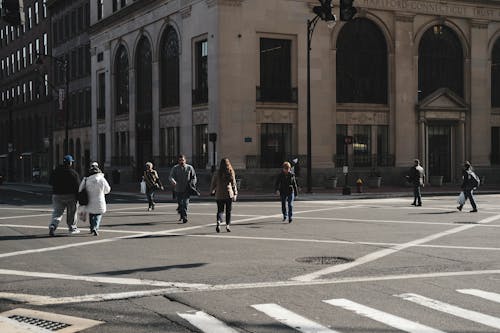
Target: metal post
x=311 y=24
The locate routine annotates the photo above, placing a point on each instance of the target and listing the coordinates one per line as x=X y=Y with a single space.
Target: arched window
x=169 y=62
x=121 y=81
x=361 y=63
x=144 y=76
x=440 y=62
x=495 y=75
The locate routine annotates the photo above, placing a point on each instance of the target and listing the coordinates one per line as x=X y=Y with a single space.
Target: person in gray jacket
x=183 y=178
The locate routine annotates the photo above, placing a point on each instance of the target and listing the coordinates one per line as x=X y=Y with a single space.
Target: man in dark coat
x=470 y=182
x=65 y=182
x=417 y=179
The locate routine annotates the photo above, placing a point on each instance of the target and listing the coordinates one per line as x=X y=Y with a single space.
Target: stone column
x=108 y=103
x=480 y=143
x=93 y=104
x=406 y=127
x=156 y=108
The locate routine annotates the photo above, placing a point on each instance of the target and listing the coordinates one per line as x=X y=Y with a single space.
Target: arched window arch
x=169 y=62
x=440 y=61
x=121 y=80
x=362 y=63
x=144 y=76
x=495 y=75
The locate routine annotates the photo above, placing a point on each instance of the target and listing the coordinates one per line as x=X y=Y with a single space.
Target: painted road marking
x=453 y=310
x=206 y=323
x=176 y=288
x=386 y=252
x=494 y=297
x=291 y=319
x=22 y=216
x=382 y=317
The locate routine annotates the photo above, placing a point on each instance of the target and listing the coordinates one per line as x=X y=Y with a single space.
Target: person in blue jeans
x=286 y=187
x=183 y=178
x=97 y=187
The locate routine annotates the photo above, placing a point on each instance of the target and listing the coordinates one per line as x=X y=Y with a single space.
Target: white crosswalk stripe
x=474 y=316
x=382 y=317
x=205 y=322
x=291 y=319
x=494 y=297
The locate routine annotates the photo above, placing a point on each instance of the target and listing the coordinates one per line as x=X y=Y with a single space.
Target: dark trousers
x=150 y=194
x=417 y=195
x=228 y=204
x=182 y=202
x=470 y=195
x=287 y=199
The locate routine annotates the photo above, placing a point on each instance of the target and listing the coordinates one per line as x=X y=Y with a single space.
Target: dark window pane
x=122 y=83
x=276 y=144
x=362 y=145
x=200 y=94
x=170 y=68
x=495 y=145
x=275 y=70
x=340 y=159
x=495 y=75
x=144 y=76
x=440 y=62
x=361 y=63
x=200 y=158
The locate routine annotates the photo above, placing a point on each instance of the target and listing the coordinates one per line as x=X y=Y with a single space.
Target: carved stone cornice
x=186 y=12
x=479 y=24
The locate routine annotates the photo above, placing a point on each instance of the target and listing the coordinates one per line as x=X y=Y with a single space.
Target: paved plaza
x=363 y=265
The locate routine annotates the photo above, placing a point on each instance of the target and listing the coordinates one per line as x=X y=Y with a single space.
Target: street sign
x=348 y=140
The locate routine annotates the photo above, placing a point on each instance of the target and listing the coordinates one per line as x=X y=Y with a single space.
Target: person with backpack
x=470 y=182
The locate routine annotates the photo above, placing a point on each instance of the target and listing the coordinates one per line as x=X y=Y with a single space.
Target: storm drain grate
x=324 y=260
x=47 y=324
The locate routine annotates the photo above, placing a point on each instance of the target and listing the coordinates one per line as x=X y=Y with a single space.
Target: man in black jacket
x=65 y=182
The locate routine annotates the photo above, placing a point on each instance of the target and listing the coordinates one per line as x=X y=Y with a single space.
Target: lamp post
x=323 y=12
x=64 y=63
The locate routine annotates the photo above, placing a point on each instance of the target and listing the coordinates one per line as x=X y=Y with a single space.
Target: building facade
x=70 y=22
x=26 y=122
x=405 y=79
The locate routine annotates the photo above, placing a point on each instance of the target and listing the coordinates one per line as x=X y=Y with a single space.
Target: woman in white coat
x=97 y=186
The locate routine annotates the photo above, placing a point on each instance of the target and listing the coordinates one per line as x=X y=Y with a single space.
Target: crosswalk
x=296 y=322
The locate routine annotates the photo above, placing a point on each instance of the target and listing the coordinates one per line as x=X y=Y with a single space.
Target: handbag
x=461 y=198
x=83 y=196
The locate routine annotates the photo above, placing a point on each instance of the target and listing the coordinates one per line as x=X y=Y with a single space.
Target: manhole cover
x=324 y=260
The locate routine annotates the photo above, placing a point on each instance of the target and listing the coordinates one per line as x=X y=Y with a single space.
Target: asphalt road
x=428 y=269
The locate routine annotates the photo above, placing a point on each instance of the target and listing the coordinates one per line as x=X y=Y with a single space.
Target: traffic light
x=324 y=11
x=12 y=12
x=347 y=10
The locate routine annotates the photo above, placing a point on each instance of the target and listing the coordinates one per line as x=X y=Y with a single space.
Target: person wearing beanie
x=97 y=187
x=64 y=180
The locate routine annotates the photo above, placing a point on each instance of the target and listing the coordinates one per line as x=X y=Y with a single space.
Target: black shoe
x=459 y=208
x=217 y=228
x=284 y=218
x=227 y=228
x=419 y=205
x=95 y=233
x=52 y=231
x=184 y=220
x=152 y=207
x=473 y=211
x=413 y=204
x=289 y=220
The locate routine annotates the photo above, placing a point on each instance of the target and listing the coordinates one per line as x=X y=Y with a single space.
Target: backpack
x=473 y=179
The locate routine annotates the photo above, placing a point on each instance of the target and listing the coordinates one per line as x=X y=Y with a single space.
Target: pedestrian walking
x=183 y=178
x=416 y=177
x=470 y=182
x=153 y=183
x=286 y=187
x=223 y=186
x=96 y=186
x=65 y=182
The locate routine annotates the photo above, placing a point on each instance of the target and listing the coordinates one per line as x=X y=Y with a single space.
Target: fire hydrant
x=359 y=185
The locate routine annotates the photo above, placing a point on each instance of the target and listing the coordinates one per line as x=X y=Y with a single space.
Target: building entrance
x=439 y=143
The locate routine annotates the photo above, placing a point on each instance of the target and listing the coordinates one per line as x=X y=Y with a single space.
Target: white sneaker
x=74 y=231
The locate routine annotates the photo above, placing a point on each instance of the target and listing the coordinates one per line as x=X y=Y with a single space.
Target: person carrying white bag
x=470 y=182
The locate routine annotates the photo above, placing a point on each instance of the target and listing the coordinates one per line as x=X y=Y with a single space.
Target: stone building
x=25 y=100
x=406 y=79
x=70 y=21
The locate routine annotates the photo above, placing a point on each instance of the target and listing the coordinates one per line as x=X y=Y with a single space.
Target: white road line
x=382 y=317
x=103 y=279
x=494 y=297
x=291 y=319
x=474 y=316
x=385 y=252
x=206 y=323
x=64 y=228
x=22 y=216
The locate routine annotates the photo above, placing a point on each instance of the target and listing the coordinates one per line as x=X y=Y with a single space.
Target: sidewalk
x=131 y=190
